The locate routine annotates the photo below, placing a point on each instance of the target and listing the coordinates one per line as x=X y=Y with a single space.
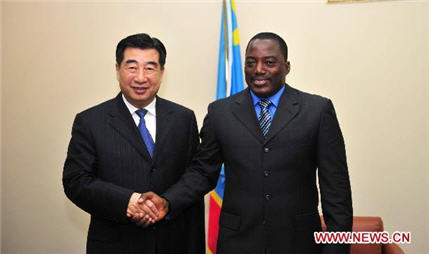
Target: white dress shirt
x=149 y=118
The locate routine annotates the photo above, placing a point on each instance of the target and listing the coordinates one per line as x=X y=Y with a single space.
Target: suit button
x=267 y=196
x=153 y=170
x=266 y=149
x=264 y=222
x=266 y=173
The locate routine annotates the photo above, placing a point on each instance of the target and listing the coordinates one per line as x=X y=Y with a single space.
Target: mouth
x=260 y=82
x=139 y=89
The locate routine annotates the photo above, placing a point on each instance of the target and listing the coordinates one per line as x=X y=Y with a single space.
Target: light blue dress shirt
x=274 y=100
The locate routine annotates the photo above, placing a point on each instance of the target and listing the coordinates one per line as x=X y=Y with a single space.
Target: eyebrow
x=153 y=63
x=130 y=61
x=265 y=57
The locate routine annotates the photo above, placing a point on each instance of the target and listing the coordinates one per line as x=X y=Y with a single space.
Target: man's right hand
x=143 y=214
x=155 y=203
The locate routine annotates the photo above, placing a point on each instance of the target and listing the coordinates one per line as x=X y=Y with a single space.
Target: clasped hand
x=146 y=209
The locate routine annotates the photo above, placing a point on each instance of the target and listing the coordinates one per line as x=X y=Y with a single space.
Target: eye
x=250 y=63
x=270 y=63
x=132 y=68
x=149 y=69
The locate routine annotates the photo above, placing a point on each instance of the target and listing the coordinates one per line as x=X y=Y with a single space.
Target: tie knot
x=264 y=103
x=141 y=112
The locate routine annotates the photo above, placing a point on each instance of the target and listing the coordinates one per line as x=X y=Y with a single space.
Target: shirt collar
x=274 y=98
x=151 y=109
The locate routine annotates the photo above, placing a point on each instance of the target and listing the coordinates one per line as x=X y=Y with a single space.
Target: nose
x=140 y=76
x=260 y=68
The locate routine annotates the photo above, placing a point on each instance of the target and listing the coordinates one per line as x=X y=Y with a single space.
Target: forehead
x=263 y=48
x=141 y=55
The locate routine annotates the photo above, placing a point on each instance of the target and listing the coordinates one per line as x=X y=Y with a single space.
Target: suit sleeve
x=201 y=176
x=194 y=215
x=80 y=182
x=334 y=178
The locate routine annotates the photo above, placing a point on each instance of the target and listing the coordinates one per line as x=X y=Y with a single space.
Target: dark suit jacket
x=107 y=161
x=271 y=198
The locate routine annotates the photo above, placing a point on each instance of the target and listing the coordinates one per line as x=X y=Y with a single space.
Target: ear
x=287 y=67
x=162 y=74
x=117 y=71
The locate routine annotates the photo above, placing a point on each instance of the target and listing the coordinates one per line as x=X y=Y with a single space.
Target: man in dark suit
x=128 y=145
x=273 y=139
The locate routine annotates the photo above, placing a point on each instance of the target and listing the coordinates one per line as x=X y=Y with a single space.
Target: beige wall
x=58 y=59
x=426 y=22
x=1 y=115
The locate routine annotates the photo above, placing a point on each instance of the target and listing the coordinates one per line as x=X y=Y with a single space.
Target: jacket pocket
x=308 y=221
x=230 y=221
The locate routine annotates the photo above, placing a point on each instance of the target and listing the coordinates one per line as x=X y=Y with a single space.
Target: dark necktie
x=147 y=138
x=265 y=116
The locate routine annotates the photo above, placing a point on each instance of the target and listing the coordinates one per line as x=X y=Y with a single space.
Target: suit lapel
x=122 y=121
x=287 y=109
x=244 y=110
x=164 y=122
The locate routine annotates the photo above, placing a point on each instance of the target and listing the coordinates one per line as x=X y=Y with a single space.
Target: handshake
x=146 y=209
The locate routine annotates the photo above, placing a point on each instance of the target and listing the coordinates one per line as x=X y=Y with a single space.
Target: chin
x=261 y=92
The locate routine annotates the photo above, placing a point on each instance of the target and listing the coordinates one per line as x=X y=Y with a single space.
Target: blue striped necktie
x=265 y=116
x=147 y=138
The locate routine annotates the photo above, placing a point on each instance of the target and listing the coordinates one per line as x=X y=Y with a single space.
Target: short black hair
x=141 y=41
x=271 y=36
